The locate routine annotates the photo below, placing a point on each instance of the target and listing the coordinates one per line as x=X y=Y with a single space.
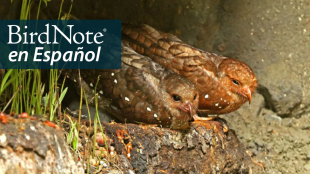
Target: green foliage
x=45 y=1
x=73 y=135
x=26 y=85
x=26 y=90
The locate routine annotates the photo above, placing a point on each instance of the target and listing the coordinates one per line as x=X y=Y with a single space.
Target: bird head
x=238 y=78
x=181 y=100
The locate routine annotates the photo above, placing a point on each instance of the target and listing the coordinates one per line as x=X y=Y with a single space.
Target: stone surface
x=271 y=36
x=31 y=146
x=270 y=117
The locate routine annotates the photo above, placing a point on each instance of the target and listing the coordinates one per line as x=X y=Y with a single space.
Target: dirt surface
x=281 y=144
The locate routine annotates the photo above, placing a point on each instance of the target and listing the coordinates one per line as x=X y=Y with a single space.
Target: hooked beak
x=187 y=108
x=248 y=93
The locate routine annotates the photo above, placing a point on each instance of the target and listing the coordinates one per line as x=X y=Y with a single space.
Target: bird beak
x=248 y=93
x=188 y=108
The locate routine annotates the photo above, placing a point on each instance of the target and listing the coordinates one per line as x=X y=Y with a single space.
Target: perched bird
x=142 y=91
x=224 y=84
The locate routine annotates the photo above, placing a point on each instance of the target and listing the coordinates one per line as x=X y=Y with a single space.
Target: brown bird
x=224 y=84
x=142 y=91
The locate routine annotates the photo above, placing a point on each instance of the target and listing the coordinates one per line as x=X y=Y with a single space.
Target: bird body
x=142 y=91
x=224 y=84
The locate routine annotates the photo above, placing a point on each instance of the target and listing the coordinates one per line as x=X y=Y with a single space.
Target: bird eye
x=176 y=97
x=195 y=96
x=235 y=82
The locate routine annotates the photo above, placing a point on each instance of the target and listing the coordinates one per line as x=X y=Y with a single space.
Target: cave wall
x=271 y=36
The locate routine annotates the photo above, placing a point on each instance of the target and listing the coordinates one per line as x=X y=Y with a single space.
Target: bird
x=142 y=91
x=224 y=84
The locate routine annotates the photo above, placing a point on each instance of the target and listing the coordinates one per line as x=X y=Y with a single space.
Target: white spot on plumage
x=224 y=100
x=149 y=109
x=221 y=99
x=206 y=96
x=155 y=115
x=115 y=81
x=216 y=104
x=101 y=92
x=112 y=74
x=127 y=99
x=91 y=84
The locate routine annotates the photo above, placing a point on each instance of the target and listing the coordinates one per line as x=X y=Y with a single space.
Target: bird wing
x=145 y=64
x=132 y=92
x=166 y=49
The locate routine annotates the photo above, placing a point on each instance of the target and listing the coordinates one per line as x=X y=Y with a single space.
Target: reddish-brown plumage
x=224 y=84
x=142 y=91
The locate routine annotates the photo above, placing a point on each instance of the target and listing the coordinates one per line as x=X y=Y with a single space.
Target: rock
x=222 y=153
x=307 y=167
x=272 y=42
x=30 y=145
x=285 y=88
x=271 y=117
